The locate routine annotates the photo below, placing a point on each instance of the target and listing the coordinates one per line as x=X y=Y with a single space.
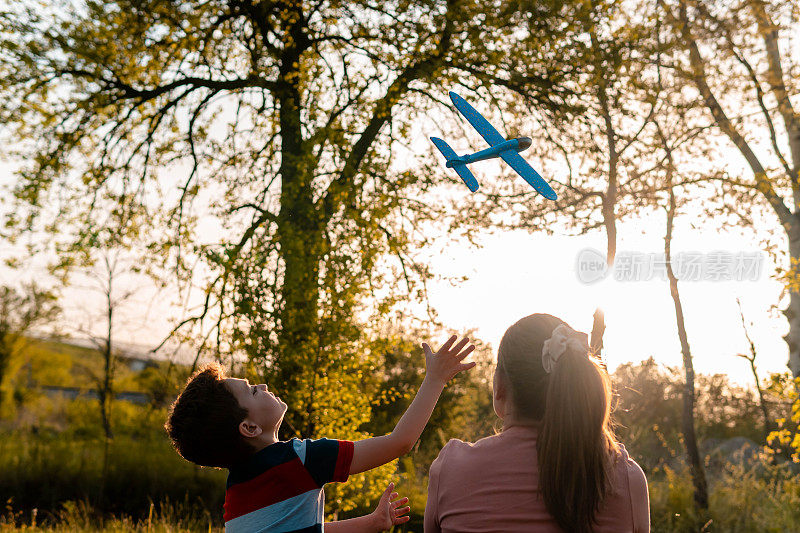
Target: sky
x=517 y=273
x=514 y=274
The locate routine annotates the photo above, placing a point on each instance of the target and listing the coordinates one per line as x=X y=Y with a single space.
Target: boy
x=275 y=485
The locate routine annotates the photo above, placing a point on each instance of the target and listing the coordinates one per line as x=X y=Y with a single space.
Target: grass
x=81 y=516
x=149 y=488
x=64 y=480
x=52 y=474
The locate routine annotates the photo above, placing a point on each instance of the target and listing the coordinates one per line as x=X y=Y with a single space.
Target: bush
x=46 y=471
x=758 y=497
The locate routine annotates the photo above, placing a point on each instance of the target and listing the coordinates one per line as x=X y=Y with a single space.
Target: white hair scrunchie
x=563 y=338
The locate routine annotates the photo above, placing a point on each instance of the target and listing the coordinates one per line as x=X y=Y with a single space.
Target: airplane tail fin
x=459 y=167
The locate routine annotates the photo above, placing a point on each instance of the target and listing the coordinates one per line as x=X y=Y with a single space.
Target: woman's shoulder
x=436 y=465
x=453 y=447
x=637 y=490
x=457 y=450
x=636 y=480
x=633 y=469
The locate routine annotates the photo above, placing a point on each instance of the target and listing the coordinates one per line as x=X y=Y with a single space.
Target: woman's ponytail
x=569 y=392
x=576 y=446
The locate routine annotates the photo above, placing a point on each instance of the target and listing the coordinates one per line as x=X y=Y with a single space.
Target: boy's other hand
x=388 y=513
x=446 y=362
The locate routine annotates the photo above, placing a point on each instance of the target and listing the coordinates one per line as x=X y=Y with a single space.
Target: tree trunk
x=106 y=391
x=792 y=313
x=5 y=357
x=761 y=401
x=689 y=438
x=298 y=316
x=299 y=360
x=752 y=360
x=300 y=236
x=609 y=216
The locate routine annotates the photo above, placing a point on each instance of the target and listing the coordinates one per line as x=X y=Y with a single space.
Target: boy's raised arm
x=439 y=369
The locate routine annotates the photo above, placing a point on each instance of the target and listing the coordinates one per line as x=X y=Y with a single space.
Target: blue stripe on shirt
x=292 y=514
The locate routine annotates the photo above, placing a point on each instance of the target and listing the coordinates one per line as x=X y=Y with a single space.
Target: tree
x=282 y=119
x=669 y=142
x=109 y=267
x=673 y=142
x=732 y=56
x=20 y=312
x=649 y=409
x=751 y=358
x=595 y=137
x=784 y=439
x=688 y=424
x=463 y=411
x=402 y=372
x=106 y=271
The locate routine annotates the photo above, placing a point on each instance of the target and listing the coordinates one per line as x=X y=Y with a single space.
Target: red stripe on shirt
x=279 y=483
x=343 y=460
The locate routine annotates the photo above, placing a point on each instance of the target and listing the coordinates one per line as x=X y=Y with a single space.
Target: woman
x=556 y=465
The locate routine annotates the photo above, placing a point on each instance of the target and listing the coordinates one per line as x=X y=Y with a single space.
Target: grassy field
x=57 y=473
x=142 y=481
x=147 y=487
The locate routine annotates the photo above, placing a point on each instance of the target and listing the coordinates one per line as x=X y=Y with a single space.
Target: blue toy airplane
x=499 y=147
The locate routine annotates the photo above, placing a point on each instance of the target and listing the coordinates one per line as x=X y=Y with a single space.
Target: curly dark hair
x=203 y=422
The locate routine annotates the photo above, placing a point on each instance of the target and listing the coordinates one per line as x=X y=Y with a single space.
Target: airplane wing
x=487 y=131
x=522 y=167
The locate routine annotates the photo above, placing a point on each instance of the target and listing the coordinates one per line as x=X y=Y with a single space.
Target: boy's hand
x=388 y=512
x=446 y=363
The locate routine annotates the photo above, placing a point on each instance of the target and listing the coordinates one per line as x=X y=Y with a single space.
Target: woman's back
x=493 y=485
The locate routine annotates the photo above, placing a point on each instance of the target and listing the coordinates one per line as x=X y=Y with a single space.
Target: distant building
x=137 y=356
x=74 y=392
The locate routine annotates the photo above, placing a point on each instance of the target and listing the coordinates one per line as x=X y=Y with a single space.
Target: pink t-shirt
x=493 y=485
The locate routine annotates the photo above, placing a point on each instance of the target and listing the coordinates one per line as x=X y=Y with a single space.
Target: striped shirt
x=279 y=488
